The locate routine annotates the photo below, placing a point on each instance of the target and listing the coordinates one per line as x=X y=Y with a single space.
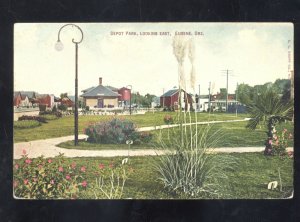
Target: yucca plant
x=268 y=108
x=190 y=172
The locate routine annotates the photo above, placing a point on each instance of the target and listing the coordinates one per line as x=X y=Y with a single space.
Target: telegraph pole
x=227 y=74
x=199 y=99
x=209 y=96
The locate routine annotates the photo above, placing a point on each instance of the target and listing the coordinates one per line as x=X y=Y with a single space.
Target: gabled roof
x=16 y=94
x=23 y=97
x=170 y=93
x=112 y=88
x=88 y=89
x=100 y=91
x=29 y=94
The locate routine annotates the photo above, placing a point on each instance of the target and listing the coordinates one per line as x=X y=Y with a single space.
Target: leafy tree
x=269 y=109
x=245 y=93
x=63 y=95
x=223 y=93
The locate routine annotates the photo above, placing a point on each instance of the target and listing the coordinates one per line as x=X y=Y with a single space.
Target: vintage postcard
x=153 y=111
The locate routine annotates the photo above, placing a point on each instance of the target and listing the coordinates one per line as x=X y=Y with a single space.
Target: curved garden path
x=49 y=148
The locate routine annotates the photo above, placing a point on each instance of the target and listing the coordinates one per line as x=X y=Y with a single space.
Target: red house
x=17 y=98
x=44 y=99
x=170 y=99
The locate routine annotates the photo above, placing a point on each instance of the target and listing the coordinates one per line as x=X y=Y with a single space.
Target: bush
x=62 y=107
x=116 y=131
x=42 y=107
x=60 y=177
x=47 y=178
x=56 y=113
x=54 y=109
x=168 y=119
x=37 y=118
x=279 y=142
x=26 y=124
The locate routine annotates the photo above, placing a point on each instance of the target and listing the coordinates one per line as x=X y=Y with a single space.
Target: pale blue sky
x=256 y=52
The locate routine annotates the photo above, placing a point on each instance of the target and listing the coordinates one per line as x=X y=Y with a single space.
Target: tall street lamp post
x=130 y=98
x=59 y=46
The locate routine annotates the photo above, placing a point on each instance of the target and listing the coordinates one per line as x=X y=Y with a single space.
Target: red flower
x=50 y=161
x=111 y=165
x=15 y=184
x=82 y=169
x=291 y=154
x=52 y=181
x=26 y=181
x=270 y=142
x=60 y=169
x=17 y=166
x=28 y=161
x=68 y=177
x=101 y=166
x=73 y=165
x=84 y=183
x=24 y=152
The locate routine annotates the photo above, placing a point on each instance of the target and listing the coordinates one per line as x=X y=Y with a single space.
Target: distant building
x=170 y=100
x=100 y=96
x=17 y=99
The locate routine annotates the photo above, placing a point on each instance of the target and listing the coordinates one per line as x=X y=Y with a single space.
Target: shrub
x=37 y=118
x=54 y=109
x=115 y=131
x=42 y=178
x=56 y=113
x=168 y=119
x=42 y=107
x=62 y=107
x=280 y=141
x=26 y=124
x=111 y=180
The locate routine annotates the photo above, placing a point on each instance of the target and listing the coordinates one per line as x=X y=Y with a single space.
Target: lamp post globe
x=59 y=46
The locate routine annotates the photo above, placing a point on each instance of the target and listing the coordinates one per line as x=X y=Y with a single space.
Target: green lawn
x=65 y=126
x=248 y=180
x=233 y=135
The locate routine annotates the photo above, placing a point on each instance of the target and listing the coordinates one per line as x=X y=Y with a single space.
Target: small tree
x=268 y=108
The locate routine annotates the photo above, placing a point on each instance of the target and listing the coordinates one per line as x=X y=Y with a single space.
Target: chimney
x=100 y=81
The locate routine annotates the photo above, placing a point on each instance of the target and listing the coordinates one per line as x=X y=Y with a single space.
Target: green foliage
x=280 y=142
x=42 y=178
x=223 y=92
x=111 y=181
x=115 y=131
x=36 y=118
x=54 y=109
x=269 y=109
x=26 y=124
x=168 y=119
x=62 y=107
x=42 y=107
x=191 y=172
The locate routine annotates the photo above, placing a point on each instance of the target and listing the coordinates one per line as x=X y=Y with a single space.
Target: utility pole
x=199 y=104
x=227 y=73
x=209 y=96
x=236 y=101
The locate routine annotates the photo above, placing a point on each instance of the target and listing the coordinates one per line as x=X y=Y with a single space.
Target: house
x=17 y=99
x=31 y=96
x=170 y=99
x=68 y=101
x=45 y=99
x=100 y=96
x=25 y=101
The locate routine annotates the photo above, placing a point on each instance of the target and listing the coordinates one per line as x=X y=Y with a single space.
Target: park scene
x=156 y=111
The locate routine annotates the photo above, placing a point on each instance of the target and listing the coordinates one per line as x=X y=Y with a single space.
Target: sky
x=255 y=53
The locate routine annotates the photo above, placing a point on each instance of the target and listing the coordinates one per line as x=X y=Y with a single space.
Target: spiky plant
x=268 y=109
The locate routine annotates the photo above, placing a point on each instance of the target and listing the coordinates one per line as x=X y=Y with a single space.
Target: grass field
x=65 y=126
x=248 y=180
x=233 y=135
